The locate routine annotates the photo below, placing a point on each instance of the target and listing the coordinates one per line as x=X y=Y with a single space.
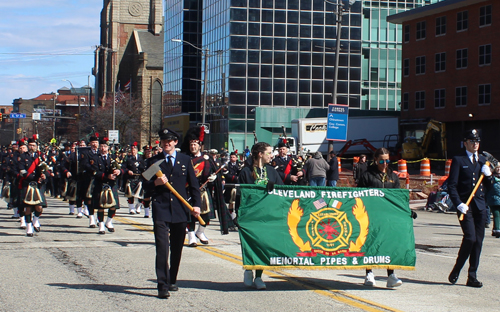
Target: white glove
x=212 y=178
x=486 y=170
x=463 y=208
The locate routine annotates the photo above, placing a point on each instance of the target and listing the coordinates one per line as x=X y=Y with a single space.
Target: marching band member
x=133 y=166
x=204 y=168
x=32 y=186
x=284 y=164
x=87 y=159
x=105 y=191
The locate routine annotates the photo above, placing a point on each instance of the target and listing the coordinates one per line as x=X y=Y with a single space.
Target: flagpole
x=114 y=103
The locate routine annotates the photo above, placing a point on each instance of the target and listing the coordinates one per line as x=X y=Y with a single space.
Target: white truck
x=309 y=134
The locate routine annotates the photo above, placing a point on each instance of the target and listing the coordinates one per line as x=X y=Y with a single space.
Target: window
x=406 y=104
x=484 y=94
x=420 y=30
x=485 y=55
x=439 y=98
x=420 y=65
x=485 y=15
x=441 y=26
x=407 y=33
x=406 y=67
x=461 y=96
x=440 y=62
x=462 y=20
x=461 y=58
x=420 y=100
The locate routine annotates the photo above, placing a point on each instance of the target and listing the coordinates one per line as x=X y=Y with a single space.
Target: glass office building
x=278 y=53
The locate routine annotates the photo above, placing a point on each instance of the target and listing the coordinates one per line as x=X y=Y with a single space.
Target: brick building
x=131 y=50
x=450 y=70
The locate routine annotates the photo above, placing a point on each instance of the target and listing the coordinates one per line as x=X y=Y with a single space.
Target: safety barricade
x=425 y=167
x=340 y=164
x=402 y=168
x=447 y=167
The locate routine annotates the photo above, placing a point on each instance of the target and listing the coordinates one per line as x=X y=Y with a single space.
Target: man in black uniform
x=231 y=173
x=464 y=174
x=87 y=159
x=170 y=216
x=289 y=173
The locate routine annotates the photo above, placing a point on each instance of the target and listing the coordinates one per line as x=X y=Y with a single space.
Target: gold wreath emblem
x=295 y=214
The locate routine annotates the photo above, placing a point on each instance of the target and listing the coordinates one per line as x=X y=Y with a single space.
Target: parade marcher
x=87 y=159
x=316 y=168
x=10 y=190
x=230 y=174
x=332 y=175
x=105 y=191
x=284 y=164
x=133 y=166
x=381 y=176
x=32 y=186
x=170 y=216
x=465 y=172
x=146 y=201
x=260 y=173
x=64 y=165
x=493 y=200
x=212 y=197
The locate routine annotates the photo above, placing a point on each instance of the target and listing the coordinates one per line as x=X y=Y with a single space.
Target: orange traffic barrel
x=447 y=166
x=403 y=171
x=425 y=167
x=340 y=164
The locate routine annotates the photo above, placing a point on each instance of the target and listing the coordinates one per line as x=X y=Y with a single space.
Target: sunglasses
x=382 y=161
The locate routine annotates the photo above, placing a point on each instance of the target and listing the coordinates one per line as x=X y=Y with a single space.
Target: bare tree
x=128 y=115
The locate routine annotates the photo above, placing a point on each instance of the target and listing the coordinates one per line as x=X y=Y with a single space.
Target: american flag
x=127 y=85
x=119 y=96
x=320 y=203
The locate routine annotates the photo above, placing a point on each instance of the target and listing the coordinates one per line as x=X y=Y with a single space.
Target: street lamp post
x=79 y=108
x=339 y=14
x=205 y=53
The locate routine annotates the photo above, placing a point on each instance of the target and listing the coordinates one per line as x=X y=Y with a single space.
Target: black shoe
x=146 y=216
x=453 y=278
x=37 y=229
x=163 y=294
x=110 y=229
x=487 y=225
x=29 y=234
x=173 y=287
x=473 y=282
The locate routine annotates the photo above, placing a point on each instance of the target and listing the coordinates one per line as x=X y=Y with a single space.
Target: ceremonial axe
x=155 y=170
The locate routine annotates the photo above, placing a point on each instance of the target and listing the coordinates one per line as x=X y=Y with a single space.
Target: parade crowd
x=90 y=177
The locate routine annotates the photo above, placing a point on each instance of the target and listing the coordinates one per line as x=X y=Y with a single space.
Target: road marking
x=337 y=295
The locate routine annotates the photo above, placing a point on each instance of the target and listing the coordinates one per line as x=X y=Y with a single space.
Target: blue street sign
x=17 y=115
x=337 y=122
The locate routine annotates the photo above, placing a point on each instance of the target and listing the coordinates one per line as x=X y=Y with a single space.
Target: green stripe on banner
x=326 y=228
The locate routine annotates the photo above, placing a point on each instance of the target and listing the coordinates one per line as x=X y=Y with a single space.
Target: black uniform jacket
x=463 y=178
x=167 y=207
x=374 y=178
x=135 y=165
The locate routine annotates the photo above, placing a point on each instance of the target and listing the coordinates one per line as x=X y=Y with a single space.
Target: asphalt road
x=69 y=267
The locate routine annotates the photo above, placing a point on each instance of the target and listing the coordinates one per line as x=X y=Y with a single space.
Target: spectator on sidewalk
x=316 y=168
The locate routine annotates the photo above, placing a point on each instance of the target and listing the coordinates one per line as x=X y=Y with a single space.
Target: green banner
x=325 y=228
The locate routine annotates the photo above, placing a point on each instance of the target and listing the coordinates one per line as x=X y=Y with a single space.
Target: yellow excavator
x=433 y=143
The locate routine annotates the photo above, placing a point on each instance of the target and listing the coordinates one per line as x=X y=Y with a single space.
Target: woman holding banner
x=258 y=171
x=379 y=175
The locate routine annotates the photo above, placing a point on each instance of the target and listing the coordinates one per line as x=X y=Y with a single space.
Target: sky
x=43 y=42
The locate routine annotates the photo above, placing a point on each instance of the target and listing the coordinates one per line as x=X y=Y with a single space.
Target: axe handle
x=479 y=181
x=159 y=174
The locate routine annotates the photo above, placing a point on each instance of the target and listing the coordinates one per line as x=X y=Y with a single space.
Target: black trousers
x=472 y=242
x=165 y=244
